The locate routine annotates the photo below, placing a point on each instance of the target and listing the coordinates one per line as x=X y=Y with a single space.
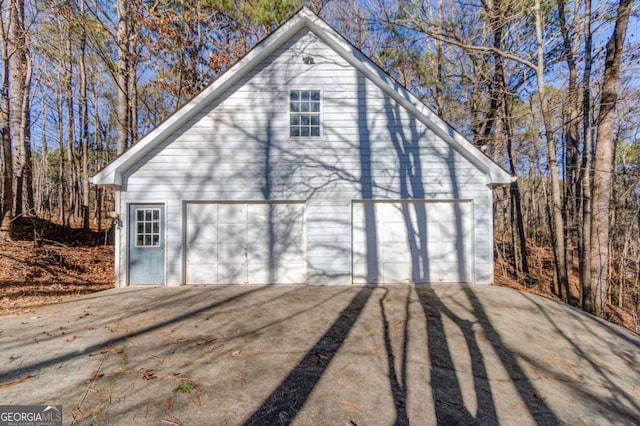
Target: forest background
x=549 y=89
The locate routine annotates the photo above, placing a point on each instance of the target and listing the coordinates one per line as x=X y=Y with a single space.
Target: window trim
x=319 y=114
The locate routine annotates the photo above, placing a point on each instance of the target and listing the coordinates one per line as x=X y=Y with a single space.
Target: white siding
x=239 y=149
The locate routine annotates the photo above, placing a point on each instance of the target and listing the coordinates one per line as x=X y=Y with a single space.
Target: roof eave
x=107 y=177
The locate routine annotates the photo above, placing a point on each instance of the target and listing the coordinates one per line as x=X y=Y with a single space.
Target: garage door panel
x=453 y=272
x=232 y=253
x=202 y=232
x=290 y=248
x=359 y=252
x=202 y=253
x=394 y=232
x=359 y=233
x=259 y=232
x=438 y=211
x=275 y=232
x=440 y=230
x=198 y=273
x=433 y=239
x=261 y=273
x=232 y=273
x=202 y=213
x=252 y=242
x=360 y=212
x=236 y=232
x=291 y=244
x=447 y=228
x=396 y=252
x=448 y=212
x=357 y=212
x=232 y=213
x=445 y=245
x=396 y=272
x=258 y=251
x=288 y=229
x=258 y=212
x=290 y=255
x=360 y=271
x=450 y=256
x=288 y=212
x=402 y=272
x=264 y=251
x=439 y=233
x=391 y=212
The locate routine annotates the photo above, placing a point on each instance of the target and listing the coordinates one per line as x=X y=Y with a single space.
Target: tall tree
x=70 y=101
x=572 y=119
x=6 y=210
x=586 y=295
x=603 y=163
x=20 y=71
x=500 y=96
x=84 y=115
x=557 y=226
x=123 y=46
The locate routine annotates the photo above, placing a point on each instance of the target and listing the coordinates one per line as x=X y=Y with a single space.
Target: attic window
x=304 y=109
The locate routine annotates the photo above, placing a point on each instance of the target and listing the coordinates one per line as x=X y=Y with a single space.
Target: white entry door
x=254 y=243
x=412 y=241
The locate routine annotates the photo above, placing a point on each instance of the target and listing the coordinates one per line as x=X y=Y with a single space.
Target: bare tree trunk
x=61 y=176
x=133 y=87
x=71 y=131
x=585 y=237
x=557 y=225
x=84 y=119
x=25 y=119
x=516 y=204
x=43 y=204
x=122 y=83
x=7 y=161
x=99 y=148
x=439 y=71
x=572 y=128
x=19 y=84
x=603 y=164
x=501 y=96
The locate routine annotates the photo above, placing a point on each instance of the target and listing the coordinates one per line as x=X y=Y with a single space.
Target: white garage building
x=303 y=163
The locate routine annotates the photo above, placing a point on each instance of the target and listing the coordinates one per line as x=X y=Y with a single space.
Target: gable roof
x=111 y=175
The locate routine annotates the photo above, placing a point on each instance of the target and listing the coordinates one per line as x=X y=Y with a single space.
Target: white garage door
x=234 y=243
x=413 y=241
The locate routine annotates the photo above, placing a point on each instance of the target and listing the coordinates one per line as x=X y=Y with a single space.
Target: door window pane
x=147 y=227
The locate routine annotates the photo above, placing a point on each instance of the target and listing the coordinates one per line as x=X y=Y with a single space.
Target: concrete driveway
x=321 y=355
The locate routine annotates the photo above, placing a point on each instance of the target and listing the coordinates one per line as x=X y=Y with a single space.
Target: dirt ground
x=48 y=263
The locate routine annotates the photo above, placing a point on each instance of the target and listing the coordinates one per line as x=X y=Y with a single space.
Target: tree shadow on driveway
x=25 y=369
x=284 y=403
x=449 y=404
